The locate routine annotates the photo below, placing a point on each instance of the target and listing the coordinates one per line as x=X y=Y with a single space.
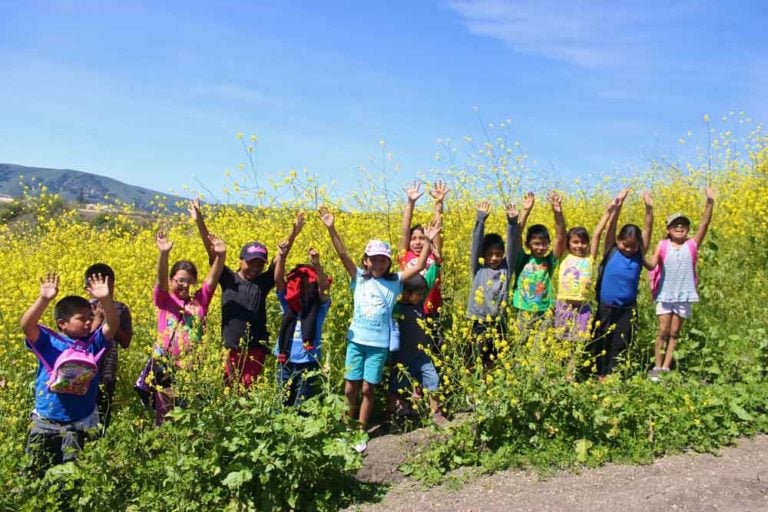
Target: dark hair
x=579 y=232
x=70 y=306
x=632 y=231
x=536 y=231
x=388 y=275
x=492 y=241
x=415 y=284
x=183 y=265
x=416 y=227
x=100 y=268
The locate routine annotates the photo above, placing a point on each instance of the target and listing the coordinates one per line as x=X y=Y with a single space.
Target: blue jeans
x=300 y=387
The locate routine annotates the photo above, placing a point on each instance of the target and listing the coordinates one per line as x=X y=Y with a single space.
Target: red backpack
x=301 y=288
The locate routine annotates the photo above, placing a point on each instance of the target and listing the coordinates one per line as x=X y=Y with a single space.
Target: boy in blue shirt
x=60 y=419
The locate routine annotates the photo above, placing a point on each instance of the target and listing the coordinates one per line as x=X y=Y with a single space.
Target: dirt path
x=736 y=480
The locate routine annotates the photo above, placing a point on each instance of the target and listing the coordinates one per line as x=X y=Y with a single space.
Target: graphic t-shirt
x=372 y=316
x=62 y=406
x=434 y=298
x=180 y=323
x=534 y=283
x=575 y=278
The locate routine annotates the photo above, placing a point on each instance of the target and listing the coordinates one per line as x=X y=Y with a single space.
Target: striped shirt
x=678 y=283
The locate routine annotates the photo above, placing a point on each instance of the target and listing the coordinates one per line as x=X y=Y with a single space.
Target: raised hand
x=282 y=248
x=194 y=209
x=484 y=207
x=218 y=245
x=49 y=286
x=439 y=190
x=298 y=224
x=556 y=200
x=432 y=229
x=98 y=286
x=647 y=200
x=622 y=195
x=512 y=211
x=413 y=191
x=314 y=256
x=709 y=192
x=163 y=244
x=326 y=216
x=529 y=199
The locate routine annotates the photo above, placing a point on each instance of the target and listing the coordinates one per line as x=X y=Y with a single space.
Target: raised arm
x=164 y=246
x=483 y=210
x=282 y=255
x=529 y=201
x=438 y=192
x=412 y=192
x=338 y=245
x=298 y=225
x=197 y=216
x=49 y=288
x=217 y=266
x=514 y=242
x=98 y=287
x=430 y=232
x=647 y=221
x=323 y=282
x=558 y=247
x=594 y=246
x=707 y=217
x=613 y=220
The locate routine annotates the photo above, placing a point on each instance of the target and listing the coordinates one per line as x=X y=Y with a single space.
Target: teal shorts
x=365 y=363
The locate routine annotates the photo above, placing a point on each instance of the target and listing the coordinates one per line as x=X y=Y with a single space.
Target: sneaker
x=361 y=446
x=653 y=375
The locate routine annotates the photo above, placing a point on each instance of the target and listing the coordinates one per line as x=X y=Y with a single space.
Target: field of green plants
x=231 y=450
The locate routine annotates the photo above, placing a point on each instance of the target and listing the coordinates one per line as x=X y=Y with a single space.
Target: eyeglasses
x=184 y=282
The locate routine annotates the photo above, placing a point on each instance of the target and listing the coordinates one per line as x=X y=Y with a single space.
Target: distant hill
x=79 y=187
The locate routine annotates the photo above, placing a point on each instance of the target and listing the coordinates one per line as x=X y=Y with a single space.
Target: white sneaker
x=653 y=375
x=361 y=446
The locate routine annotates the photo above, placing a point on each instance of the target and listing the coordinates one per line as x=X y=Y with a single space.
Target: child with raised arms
x=617 y=287
x=674 y=280
x=375 y=290
x=65 y=399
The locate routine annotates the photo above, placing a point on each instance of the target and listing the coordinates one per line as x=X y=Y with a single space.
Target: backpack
x=74 y=368
x=298 y=280
x=654 y=275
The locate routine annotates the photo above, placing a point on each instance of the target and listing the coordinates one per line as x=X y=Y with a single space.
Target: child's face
x=180 y=283
x=628 y=246
x=578 y=246
x=416 y=243
x=493 y=257
x=77 y=325
x=678 y=232
x=539 y=246
x=251 y=269
x=414 y=297
x=377 y=265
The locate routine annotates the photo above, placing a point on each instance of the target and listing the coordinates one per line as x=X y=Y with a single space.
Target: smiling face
x=628 y=246
x=578 y=246
x=493 y=256
x=539 y=246
x=377 y=265
x=251 y=269
x=678 y=231
x=77 y=325
x=180 y=283
x=417 y=241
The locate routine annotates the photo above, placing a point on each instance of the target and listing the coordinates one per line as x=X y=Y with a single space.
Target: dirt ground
x=734 y=480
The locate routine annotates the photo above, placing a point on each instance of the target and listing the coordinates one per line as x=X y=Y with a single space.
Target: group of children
x=395 y=316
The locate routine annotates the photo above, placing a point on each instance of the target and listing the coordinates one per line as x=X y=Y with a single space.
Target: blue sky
x=152 y=93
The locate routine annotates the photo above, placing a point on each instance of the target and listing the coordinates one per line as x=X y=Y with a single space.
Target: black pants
x=484 y=335
x=612 y=335
x=104 y=400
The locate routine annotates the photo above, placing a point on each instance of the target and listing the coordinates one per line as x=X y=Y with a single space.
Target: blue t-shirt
x=299 y=354
x=374 y=302
x=61 y=406
x=621 y=276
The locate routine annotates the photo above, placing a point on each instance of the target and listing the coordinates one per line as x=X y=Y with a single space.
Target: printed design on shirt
x=575 y=278
x=533 y=284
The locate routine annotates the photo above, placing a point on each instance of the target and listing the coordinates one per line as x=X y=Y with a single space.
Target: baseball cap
x=378 y=248
x=676 y=218
x=252 y=251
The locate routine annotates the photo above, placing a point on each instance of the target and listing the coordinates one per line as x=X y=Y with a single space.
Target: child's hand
x=194 y=209
x=49 y=286
x=529 y=199
x=413 y=191
x=298 y=224
x=438 y=191
x=512 y=211
x=709 y=192
x=432 y=230
x=484 y=207
x=647 y=200
x=98 y=314
x=282 y=249
x=326 y=216
x=622 y=195
x=314 y=257
x=218 y=245
x=556 y=200
x=98 y=286
x=163 y=244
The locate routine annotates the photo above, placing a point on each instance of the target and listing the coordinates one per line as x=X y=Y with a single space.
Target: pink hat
x=378 y=248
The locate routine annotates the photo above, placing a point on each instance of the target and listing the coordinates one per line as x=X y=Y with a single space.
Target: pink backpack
x=75 y=367
x=654 y=276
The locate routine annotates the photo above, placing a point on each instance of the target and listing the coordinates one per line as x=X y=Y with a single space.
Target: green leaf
x=237 y=478
x=740 y=412
x=582 y=449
